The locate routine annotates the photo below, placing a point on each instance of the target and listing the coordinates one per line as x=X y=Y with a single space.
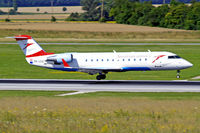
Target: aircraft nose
x=188 y=64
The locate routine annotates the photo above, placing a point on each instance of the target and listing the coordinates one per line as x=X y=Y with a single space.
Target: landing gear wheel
x=98 y=77
x=178 y=74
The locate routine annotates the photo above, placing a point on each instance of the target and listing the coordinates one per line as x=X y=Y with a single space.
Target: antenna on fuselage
x=114 y=51
x=149 y=50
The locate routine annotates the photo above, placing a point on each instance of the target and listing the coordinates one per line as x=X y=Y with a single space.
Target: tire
x=98 y=77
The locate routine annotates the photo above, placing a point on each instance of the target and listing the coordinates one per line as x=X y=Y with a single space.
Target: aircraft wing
x=99 y=70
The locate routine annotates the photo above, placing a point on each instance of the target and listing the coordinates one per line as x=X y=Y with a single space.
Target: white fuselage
x=93 y=63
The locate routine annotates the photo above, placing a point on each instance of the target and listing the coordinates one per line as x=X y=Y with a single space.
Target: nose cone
x=187 y=64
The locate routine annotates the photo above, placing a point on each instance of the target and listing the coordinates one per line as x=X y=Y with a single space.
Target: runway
x=112 y=43
x=85 y=86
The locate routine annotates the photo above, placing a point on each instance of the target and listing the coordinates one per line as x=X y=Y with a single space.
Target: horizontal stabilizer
x=21 y=37
x=17 y=37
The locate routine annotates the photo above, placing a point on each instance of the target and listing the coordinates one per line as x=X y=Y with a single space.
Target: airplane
x=100 y=63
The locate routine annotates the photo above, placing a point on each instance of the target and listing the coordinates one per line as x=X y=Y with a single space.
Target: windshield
x=174 y=57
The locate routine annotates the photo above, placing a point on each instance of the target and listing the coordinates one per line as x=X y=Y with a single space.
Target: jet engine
x=57 y=59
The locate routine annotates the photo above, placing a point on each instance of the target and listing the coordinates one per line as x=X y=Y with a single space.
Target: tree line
x=30 y=3
x=93 y=11
x=176 y=15
x=25 y=3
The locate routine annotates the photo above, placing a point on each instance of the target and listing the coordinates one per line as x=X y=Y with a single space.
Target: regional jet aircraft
x=100 y=63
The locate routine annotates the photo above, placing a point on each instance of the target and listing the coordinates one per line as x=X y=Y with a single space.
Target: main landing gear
x=178 y=74
x=101 y=76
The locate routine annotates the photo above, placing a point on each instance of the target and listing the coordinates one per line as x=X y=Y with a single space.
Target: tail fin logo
x=27 y=45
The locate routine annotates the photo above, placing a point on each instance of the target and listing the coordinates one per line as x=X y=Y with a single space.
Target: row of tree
x=25 y=3
x=12 y=11
x=93 y=11
x=176 y=15
x=166 y=1
x=30 y=3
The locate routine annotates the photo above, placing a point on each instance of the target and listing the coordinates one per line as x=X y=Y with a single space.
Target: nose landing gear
x=101 y=76
x=178 y=74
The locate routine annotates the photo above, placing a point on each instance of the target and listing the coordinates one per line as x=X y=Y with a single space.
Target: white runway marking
x=75 y=93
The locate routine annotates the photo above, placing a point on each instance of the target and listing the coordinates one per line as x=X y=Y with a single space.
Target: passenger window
x=107 y=59
x=140 y=59
x=97 y=60
x=86 y=60
x=102 y=60
x=113 y=60
x=134 y=59
x=123 y=59
x=129 y=59
x=91 y=59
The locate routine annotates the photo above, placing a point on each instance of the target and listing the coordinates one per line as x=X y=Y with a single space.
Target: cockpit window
x=174 y=57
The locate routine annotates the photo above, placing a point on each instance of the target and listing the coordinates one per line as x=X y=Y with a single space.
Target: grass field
x=14 y=65
x=102 y=112
x=30 y=14
x=87 y=27
x=34 y=17
x=96 y=32
x=56 y=9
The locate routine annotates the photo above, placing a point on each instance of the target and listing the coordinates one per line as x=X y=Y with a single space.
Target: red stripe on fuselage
x=160 y=56
x=40 y=53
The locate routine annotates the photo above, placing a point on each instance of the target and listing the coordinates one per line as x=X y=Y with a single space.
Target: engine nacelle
x=57 y=59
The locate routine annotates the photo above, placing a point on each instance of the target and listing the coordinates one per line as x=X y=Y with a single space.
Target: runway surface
x=115 y=43
x=85 y=86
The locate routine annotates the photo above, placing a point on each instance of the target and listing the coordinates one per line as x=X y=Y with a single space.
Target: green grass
x=13 y=64
x=106 y=36
x=102 y=113
x=140 y=95
x=13 y=93
x=123 y=95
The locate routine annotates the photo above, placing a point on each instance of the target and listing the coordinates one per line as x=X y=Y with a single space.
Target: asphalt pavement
x=85 y=86
x=114 y=43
